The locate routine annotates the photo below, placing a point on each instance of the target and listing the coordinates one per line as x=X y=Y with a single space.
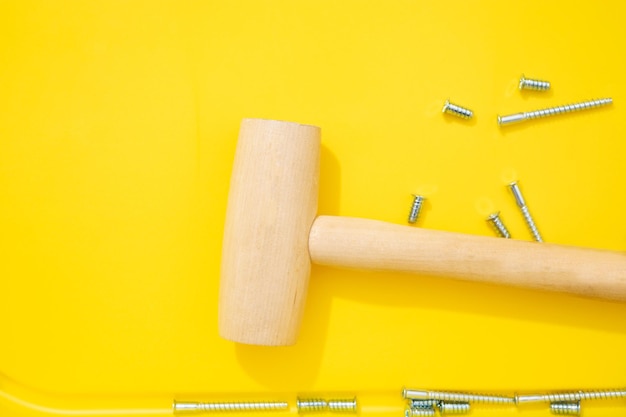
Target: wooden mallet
x=272 y=236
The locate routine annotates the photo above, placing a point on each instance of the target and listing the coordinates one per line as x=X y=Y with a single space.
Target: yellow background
x=118 y=123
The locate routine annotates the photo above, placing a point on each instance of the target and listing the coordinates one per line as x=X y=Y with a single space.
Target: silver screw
x=496 y=222
x=311 y=405
x=454 y=407
x=584 y=105
x=187 y=407
x=423 y=404
x=414 y=394
x=416 y=207
x=418 y=412
x=343 y=405
x=529 y=84
x=522 y=206
x=569 y=408
x=570 y=396
x=456 y=110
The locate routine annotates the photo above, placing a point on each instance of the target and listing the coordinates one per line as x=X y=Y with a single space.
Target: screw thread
x=454 y=407
x=201 y=407
x=462 y=112
x=569 y=408
x=457 y=397
x=418 y=412
x=572 y=396
x=531 y=224
x=423 y=404
x=457 y=110
x=498 y=226
x=416 y=207
x=342 y=406
x=311 y=405
x=551 y=111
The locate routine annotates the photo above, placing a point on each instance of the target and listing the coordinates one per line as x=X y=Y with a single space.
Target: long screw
x=522 y=206
x=414 y=394
x=584 y=105
x=571 y=396
x=188 y=407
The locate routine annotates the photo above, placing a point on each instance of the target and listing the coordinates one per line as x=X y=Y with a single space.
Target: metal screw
x=537 y=85
x=416 y=207
x=423 y=404
x=418 y=412
x=456 y=110
x=584 y=105
x=454 y=407
x=343 y=405
x=569 y=408
x=311 y=405
x=570 y=396
x=186 y=407
x=456 y=397
x=522 y=206
x=498 y=226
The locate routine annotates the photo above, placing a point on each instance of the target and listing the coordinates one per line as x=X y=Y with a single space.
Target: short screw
x=416 y=207
x=456 y=110
x=522 y=206
x=414 y=394
x=186 y=407
x=584 y=105
x=418 y=412
x=496 y=222
x=423 y=404
x=569 y=408
x=529 y=84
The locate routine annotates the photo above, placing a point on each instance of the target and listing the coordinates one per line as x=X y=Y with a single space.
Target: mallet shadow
x=299 y=365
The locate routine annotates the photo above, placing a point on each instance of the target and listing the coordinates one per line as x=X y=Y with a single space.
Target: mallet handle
x=370 y=244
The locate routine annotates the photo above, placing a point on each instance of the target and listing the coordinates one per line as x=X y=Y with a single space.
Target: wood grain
x=370 y=244
x=271 y=205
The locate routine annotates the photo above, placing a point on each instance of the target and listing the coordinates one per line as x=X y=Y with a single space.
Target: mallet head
x=271 y=206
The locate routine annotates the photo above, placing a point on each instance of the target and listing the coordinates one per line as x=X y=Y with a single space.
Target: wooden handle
x=371 y=244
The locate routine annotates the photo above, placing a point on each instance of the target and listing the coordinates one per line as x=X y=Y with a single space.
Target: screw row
x=312 y=405
x=303 y=405
x=429 y=408
x=424 y=402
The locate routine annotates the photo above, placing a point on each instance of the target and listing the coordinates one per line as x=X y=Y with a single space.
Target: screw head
x=522 y=80
x=445 y=106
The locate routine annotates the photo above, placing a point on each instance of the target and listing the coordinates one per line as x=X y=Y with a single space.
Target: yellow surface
x=118 y=122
